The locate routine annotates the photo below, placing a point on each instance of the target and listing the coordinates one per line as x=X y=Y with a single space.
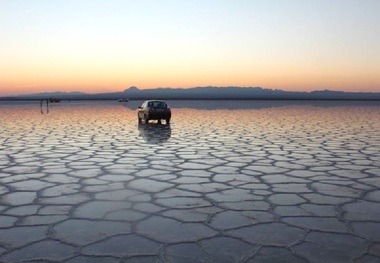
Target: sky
x=109 y=45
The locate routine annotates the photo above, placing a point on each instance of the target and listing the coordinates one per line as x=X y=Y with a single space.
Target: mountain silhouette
x=242 y=93
x=208 y=93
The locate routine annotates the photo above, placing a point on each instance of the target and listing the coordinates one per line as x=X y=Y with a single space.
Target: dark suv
x=154 y=110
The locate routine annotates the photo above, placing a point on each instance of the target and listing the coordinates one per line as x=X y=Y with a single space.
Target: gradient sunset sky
x=109 y=45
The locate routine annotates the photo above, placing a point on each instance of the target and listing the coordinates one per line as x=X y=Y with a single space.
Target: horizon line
x=184 y=88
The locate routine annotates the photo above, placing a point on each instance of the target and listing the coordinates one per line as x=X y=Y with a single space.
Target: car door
x=141 y=110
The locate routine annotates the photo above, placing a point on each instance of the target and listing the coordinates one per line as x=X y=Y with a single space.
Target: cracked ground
x=83 y=182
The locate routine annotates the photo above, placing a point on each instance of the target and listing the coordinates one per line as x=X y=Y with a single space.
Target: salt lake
x=226 y=181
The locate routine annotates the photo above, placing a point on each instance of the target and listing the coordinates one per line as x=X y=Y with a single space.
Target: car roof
x=154 y=101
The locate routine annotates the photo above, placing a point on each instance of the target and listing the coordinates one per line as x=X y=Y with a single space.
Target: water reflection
x=154 y=133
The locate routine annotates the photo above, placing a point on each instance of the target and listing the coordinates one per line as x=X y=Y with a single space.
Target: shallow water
x=273 y=180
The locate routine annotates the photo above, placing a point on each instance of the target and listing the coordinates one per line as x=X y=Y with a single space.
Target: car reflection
x=154 y=133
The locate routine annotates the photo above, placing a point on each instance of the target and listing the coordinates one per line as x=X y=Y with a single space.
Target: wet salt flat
x=227 y=181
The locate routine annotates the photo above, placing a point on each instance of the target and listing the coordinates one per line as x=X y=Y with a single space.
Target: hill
x=243 y=93
x=209 y=93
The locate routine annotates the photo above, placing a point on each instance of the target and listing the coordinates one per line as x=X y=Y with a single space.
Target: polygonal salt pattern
x=86 y=183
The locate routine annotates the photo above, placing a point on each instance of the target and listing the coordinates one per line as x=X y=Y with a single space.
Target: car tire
x=146 y=119
x=167 y=121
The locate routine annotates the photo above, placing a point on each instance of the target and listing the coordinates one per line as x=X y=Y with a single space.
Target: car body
x=154 y=110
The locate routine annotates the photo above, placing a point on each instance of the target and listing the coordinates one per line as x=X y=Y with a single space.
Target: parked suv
x=154 y=110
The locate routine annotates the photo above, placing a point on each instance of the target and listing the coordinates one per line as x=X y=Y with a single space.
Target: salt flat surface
x=227 y=181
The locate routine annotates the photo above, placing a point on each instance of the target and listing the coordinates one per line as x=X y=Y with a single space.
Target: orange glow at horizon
x=97 y=78
x=94 y=85
x=92 y=72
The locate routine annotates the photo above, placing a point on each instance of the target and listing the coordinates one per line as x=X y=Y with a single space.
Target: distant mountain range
x=198 y=93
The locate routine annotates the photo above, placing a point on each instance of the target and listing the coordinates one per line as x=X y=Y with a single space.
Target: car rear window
x=157 y=104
